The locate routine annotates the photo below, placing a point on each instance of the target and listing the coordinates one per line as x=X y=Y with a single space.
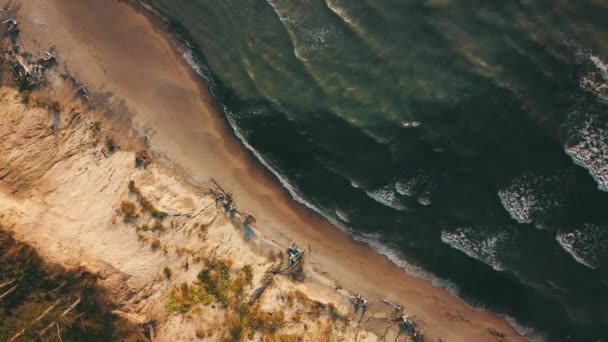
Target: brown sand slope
x=115 y=49
x=143 y=235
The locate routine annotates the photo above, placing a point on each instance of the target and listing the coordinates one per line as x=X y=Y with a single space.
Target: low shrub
x=129 y=210
x=167 y=272
x=182 y=299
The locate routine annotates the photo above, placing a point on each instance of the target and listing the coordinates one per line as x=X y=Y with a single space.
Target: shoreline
x=176 y=35
x=263 y=166
x=279 y=216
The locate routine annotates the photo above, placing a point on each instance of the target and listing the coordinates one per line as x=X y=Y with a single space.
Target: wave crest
x=481 y=244
x=535 y=195
x=587 y=245
x=587 y=144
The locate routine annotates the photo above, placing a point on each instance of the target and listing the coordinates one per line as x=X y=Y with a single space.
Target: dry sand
x=116 y=49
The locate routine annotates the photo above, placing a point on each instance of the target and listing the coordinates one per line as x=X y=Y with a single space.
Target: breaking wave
x=311 y=36
x=393 y=255
x=596 y=81
x=421 y=186
x=587 y=245
x=387 y=196
x=529 y=333
x=587 y=145
x=535 y=195
x=481 y=244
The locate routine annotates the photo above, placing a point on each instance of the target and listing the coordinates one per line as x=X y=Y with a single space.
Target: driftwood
x=12 y=26
x=11 y=290
x=142 y=159
x=27 y=72
x=46 y=312
x=63 y=314
x=7 y=283
x=295 y=262
x=26 y=68
x=267 y=280
x=359 y=303
x=223 y=197
x=47 y=58
x=58 y=332
x=149 y=329
x=64 y=283
x=83 y=93
x=407 y=326
x=248 y=217
x=11 y=21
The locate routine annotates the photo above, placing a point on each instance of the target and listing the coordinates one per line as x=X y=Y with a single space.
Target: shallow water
x=466 y=138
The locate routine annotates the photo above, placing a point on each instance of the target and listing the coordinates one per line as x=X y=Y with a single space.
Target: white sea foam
x=340 y=12
x=533 y=195
x=588 y=144
x=481 y=244
x=421 y=186
x=527 y=332
x=387 y=196
x=189 y=57
x=587 y=245
x=410 y=124
x=424 y=198
x=352 y=23
x=310 y=37
x=342 y=215
x=596 y=81
x=393 y=255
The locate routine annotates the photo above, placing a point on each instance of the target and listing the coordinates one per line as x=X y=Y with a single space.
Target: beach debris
x=27 y=72
x=83 y=93
x=46 y=60
x=248 y=217
x=360 y=302
x=12 y=27
x=266 y=281
x=224 y=198
x=142 y=159
x=398 y=307
x=407 y=325
x=61 y=317
x=149 y=329
x=38 y=319
x=7 y=283
x=5 y=294
x=295 y=261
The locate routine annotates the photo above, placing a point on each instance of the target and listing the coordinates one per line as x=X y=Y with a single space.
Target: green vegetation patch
x=219 y=283
x=146 y=205
x=184 y=298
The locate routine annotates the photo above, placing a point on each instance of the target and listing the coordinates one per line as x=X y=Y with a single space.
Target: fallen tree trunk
x=38 y=319
x=267 y=280
x=63 y=314
x=11 y=290
x=7 y=283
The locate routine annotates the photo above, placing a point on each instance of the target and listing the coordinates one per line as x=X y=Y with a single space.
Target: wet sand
x=116 y=49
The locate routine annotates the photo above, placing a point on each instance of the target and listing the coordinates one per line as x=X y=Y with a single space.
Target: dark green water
x=466 y=140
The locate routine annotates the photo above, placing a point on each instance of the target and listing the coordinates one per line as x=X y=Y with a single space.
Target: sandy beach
x=118 y=50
